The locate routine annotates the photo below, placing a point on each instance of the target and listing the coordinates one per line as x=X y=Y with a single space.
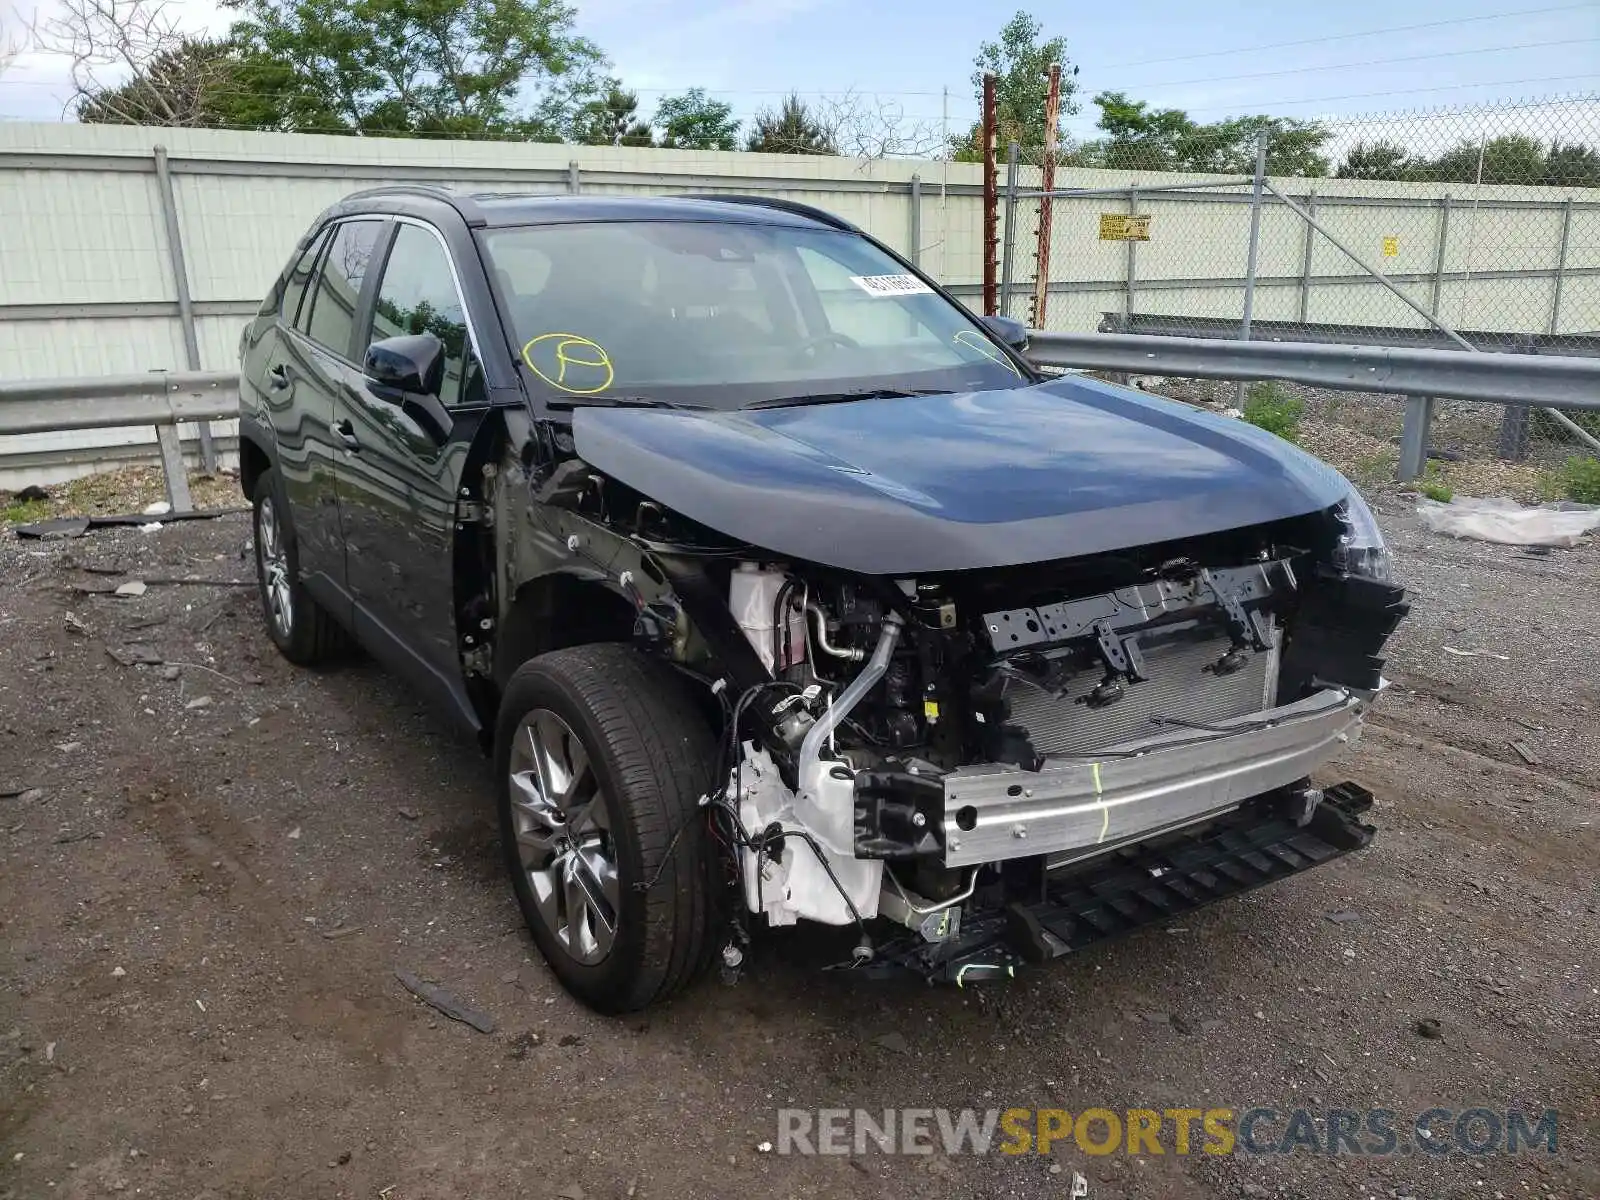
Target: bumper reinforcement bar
x=1258 y=844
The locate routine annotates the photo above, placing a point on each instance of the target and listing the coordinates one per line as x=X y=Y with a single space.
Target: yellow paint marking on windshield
x=975 y=341
x=570 y=352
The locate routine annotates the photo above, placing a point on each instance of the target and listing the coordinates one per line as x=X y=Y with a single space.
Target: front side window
x=418 y=295
x=729 y=314
x=332 y=320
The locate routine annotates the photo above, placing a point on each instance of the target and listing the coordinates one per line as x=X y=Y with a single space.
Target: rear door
x=274 y=368
x=315 y=367
x=398 y=485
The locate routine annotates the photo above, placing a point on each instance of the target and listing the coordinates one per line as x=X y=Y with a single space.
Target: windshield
x=729 y=314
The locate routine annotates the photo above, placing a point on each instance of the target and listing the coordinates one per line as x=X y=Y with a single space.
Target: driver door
x=399 y=478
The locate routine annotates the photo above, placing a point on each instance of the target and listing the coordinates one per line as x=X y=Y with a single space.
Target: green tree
x=210 y=84
x=1141 y=138
x=467 y=67
x=1294 y=148
x=1572 y=165
x=694 y=121
x=791 y=130
x=1513 y=158
x=1020 y=62
x=613 y=120
x=1378 y=160
x=1138 y=137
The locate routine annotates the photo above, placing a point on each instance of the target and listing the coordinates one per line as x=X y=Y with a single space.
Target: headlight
x=1360 y=550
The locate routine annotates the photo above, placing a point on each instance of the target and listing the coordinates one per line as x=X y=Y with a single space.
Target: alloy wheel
x=274 y=569
x=564 y=840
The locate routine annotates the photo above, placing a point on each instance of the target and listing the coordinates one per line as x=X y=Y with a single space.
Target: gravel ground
x=216 y=864
x=114 y=493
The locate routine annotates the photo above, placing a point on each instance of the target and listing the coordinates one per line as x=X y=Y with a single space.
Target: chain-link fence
x=1471 y=228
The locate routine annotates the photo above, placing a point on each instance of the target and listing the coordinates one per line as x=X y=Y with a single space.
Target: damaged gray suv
x=782 y=589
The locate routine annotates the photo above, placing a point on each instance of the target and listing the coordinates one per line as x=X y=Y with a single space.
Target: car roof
x=497 y=209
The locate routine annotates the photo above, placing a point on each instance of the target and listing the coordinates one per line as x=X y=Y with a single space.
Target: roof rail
x=790 y=206
x=458 y=200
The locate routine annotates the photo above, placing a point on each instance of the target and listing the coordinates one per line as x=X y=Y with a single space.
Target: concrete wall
x=87 y=284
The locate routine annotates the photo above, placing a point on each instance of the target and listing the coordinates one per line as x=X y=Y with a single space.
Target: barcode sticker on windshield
x=890 y=285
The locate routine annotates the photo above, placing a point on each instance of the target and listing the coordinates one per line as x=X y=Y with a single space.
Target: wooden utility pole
x=991 y=201
x=1047 y=205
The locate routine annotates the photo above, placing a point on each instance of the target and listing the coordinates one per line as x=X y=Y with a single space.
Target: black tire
x=651 y=755
x=308 y=635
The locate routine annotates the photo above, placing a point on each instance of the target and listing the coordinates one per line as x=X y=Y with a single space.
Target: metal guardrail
x=1559 y=381
x=1547 y=381
x=1419 y=411
x=1579 y=345
x=159 y=399
x=163 y=400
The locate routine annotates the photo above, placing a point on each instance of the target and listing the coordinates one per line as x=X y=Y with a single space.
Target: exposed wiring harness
x=736 y=837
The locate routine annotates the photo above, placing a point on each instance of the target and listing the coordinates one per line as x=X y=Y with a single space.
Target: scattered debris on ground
x=138 y=489
x=446 y=1002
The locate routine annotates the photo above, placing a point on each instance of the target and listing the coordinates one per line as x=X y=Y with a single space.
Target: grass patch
x=1267 y=406
x=1433 y=486
x=1580 y=479
x=1375 y=470
x=21 y=512
x=1436 y=489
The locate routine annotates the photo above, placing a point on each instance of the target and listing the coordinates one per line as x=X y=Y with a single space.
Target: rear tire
x=602 y=757
x=299 y=627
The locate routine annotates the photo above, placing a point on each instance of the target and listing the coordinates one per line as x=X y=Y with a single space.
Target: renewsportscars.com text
x=1181 y=1131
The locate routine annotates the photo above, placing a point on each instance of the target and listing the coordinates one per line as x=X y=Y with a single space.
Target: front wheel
x=602 y=757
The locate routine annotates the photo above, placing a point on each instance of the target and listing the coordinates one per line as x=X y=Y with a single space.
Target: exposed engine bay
x=888 y=708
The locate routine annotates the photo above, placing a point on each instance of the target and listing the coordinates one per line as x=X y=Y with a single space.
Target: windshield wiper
x=842 y=397
x=603 y=400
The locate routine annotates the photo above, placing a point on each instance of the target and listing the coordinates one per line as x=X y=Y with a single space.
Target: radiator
x=1177 y=686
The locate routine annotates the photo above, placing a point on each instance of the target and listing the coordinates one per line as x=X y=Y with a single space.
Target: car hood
x=918 y=484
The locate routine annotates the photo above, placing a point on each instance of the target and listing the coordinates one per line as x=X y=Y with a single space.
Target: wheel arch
x=255 y=458
x=559 y=609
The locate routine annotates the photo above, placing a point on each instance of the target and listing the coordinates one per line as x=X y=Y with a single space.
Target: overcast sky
x=1351 y=57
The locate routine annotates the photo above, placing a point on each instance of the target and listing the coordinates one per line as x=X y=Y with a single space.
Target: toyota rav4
x=781 y=588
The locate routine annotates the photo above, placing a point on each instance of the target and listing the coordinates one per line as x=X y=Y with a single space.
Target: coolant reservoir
x=752 y=597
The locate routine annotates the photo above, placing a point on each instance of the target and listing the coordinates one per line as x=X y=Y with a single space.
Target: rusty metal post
x=991 y=200
x=1047 y=203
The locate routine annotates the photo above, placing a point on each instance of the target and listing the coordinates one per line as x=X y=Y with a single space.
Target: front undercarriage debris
x=1157 y=881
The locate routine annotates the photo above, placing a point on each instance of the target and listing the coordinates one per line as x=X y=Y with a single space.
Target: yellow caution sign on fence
x=1124 y=227
x=1391 y=247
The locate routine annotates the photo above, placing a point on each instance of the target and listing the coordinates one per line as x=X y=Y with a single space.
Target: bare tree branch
x=123 y=57
x=863 y=125
x=13 y=38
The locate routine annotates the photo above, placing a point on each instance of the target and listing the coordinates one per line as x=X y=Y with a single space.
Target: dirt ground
x=211 y=867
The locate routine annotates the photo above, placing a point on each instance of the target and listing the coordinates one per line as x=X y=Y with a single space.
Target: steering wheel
x=812 y=344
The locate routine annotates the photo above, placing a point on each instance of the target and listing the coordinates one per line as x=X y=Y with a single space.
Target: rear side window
x=294 y=290
x=344 y=270
x=418 y=295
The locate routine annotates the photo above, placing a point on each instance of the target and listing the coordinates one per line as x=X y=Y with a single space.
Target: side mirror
x=1009 y=330
x=412 y=364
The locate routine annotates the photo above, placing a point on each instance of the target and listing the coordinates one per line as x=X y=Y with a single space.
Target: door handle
x=347 y=436
x=278 y=378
